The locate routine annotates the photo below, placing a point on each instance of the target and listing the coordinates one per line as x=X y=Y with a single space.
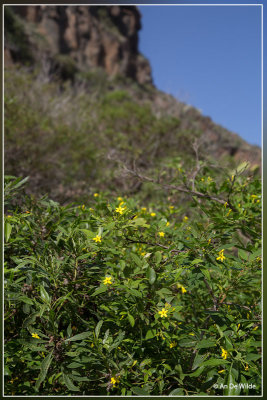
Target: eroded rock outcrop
x=93 y=36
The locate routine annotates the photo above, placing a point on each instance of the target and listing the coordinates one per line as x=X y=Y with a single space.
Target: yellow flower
x=225 y=204
x=34 y=335
x=97 y=238
x=183 y=289
x=143 y=253
x=210 y=179
x=202 y=179
x=171 y=207
x=153 y=214
x=221 y=371
x=224 y=353
x=191 y=334
x=173 y=344
x=143 y=208
x=163 y=313
x=161 y=234
x=209 y=241
x=119 y=198
x=83 y=207
x=120 y=209
x=92 y=345
x=229 y=212
x=221 y=257
x=133 y=364
x=246 y=367
x=43 y=354
x=232 y=177
x=238 y=326
x=9 y=216
x=167 y=223
x=107 y=280
x=185 y=218
x=114 y=380
x=91 y=209
x=256 y=327
x=96 y=194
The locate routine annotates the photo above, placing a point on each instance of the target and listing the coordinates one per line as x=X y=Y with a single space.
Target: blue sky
x=209 y=57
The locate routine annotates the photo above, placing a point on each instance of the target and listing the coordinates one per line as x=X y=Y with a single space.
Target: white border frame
x=151 y=5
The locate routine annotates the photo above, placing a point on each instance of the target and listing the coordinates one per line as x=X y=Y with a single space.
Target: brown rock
x=93 y=36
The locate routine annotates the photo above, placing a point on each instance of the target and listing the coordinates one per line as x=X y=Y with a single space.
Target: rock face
x=93 y=36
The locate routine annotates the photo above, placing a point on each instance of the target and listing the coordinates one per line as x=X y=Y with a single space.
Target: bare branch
x=174 y=187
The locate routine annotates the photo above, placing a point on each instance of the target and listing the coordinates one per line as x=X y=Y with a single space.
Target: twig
x=154 y=244
x=174 y=187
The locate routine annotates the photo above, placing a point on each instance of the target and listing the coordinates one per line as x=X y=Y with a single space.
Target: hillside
x=96 y=104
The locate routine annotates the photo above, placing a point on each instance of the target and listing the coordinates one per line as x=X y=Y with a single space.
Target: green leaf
x=243 y=254
x=187 y=342
x=100 y=290
x=8 y=229
x=232 y=388
x=206 y=273
x=206 y=343
x=199 y=358
x=164 y=291
x=197 y=372
x=135 y=293
x=68 y=382
x=139 y=391
x=98 y=327
x=150 y=334
x=256 y=253
x=88 y=233
x=74 y=365
x=136 y=260
x=214 y=361
x=196 y=261
x=44 y=295
x=131 y=319
x=177 y=392
x=80 y=336
x=151 y=275
x=26 y=300
x=158 y=257
x=44 y=369
x=139 y=222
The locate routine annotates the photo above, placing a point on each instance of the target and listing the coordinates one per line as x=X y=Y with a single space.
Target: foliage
x=70 y=140
x=115 y=298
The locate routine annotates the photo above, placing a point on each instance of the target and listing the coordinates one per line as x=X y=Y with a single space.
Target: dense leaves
x=112 y=297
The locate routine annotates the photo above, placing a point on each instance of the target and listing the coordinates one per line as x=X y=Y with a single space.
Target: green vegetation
x=71 y=141
x=112 y=297
x=132 y=255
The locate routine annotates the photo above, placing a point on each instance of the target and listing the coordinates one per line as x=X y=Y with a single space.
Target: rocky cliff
x=92 y=36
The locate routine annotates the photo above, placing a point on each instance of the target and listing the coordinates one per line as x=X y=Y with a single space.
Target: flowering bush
x=112 y=297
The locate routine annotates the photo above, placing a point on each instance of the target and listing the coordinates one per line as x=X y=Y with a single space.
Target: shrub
x=115 y=298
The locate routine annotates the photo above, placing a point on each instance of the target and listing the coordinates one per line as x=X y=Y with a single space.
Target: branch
x=174 y=187
x=154 y=244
